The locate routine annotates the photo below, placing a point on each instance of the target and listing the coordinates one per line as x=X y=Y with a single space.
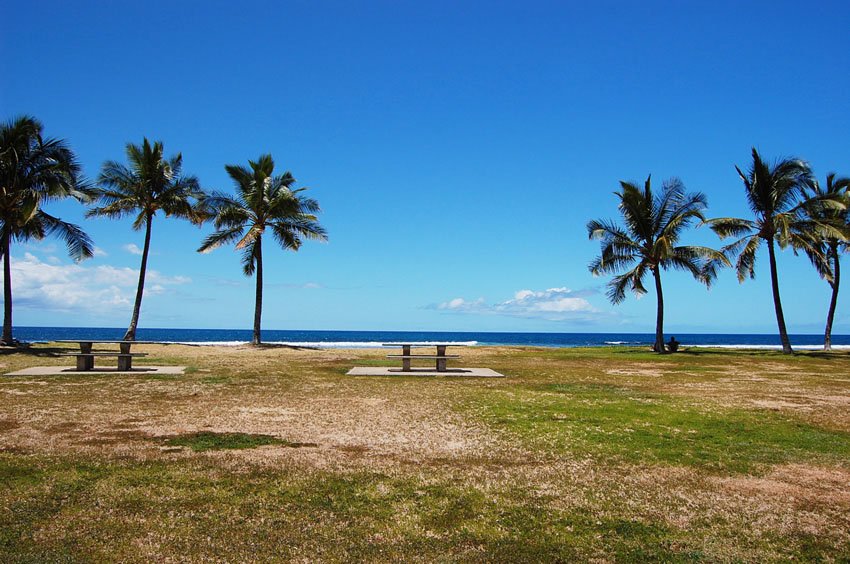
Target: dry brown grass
x=418 y=429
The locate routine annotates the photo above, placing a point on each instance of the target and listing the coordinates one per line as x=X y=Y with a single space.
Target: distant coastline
x=372 y=339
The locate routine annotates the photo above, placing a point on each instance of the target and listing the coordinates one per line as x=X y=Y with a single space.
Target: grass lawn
x=580 y=454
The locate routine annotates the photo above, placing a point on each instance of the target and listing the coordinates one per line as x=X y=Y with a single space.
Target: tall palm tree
x=653 y=225
x=825 y=254
x=776 y=195
x=34 y=171
x=263 y=201
x=150 y=183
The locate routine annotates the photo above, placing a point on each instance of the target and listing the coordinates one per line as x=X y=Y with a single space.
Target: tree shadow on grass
x=285 y=346
x=41 y=352
x=737 y=353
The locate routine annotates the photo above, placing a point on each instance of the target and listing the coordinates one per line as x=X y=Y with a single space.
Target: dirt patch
x=796 y=483
x=114 y=437
x=353 y=449
x=62 y=428
x=8 y=424
x=778 y=405
x=651 y=372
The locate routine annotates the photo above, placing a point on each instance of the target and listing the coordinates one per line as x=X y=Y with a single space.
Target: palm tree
x=34 y=171
x=653 y=225
x=776 y=196
x=263 y=201
x=828 y=208
x=149 y=184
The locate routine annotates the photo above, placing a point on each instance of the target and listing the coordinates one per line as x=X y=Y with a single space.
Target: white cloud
x=299 y=285
x=553 y=300
x=555 y=304
x=460 y=304
x=46 y=247
x=98 y=252
x=75 y=287
x=133 y=249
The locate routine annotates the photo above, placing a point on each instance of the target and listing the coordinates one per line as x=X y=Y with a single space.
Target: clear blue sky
x=457 y=148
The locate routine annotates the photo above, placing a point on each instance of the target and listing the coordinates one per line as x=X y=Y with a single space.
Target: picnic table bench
x=406 y=356
x=85 y=358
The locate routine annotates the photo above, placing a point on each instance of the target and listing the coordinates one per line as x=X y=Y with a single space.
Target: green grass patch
x=377 y=362
x=206 y=440
x=605 y=421
x=160 y=377
x=77 y=510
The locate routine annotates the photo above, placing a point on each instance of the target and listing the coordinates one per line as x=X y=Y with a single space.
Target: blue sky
x=458 y=150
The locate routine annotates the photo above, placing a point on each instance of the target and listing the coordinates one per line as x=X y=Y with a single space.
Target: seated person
x=673 y=345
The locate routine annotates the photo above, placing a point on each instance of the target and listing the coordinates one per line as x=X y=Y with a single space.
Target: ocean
x=370 y=339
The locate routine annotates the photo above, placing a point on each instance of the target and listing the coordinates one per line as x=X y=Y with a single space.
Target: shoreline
x=354 y=345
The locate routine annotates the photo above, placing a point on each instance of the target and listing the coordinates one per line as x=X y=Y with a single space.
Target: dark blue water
x=375 y=338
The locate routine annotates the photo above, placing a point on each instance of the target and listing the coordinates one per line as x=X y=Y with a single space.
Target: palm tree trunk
x=836 y=279
x=777 y=302
x=7 y=289
x=659 y=318
x=258 y=303
x=130 y=335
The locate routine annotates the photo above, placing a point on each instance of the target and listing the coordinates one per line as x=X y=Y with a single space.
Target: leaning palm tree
x=827 y=209
x=150 y=183
x=776 y=195
x=263 y=201
x=34 y=171
x=653 y=225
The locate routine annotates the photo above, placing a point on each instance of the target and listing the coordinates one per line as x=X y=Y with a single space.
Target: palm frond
x=819 y=255
x=636 y=209
x=114 y=210
x=35 y=170
x=249 y=257
x=142 y=219
x=653 y=226
x=609 y=263
x=221 y=237
x=146 y=184
x=730 y=226
x=684 y=210
x=263 y=201
x=686 y=264
x=242 y=177
x=79 y=244
x=254 y=232
x=746 y=263
x=631 y=280
x=289 y=232
x=702 y=262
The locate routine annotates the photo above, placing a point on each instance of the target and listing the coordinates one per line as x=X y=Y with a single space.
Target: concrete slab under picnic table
x=449 y=372
x=63 y=370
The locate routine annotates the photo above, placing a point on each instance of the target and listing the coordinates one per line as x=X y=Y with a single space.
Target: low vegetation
x=612 y=423
x=202 y=441
x=593 y=454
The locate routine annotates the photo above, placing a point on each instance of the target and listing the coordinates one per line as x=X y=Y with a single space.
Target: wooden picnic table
x=407 y=356
x=85 y=358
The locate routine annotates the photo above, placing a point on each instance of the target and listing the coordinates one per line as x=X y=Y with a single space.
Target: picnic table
x=407 y=356
x=85 y=358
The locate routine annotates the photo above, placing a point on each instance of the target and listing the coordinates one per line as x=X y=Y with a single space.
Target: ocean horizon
x=374 y=339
